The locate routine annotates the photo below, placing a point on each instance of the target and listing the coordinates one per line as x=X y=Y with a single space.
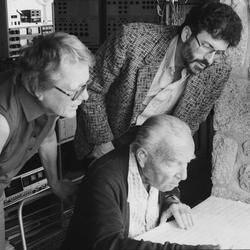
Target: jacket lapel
x=148 y=69
x=201 y=91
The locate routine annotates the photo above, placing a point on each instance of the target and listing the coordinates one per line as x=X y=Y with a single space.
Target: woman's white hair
x=40 y=60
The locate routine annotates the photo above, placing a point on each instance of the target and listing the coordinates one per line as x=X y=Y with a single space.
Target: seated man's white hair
x=163 y=135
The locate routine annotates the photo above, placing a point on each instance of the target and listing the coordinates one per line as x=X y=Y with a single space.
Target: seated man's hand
x=101 y=150
x=65 y=190
x=181 y=213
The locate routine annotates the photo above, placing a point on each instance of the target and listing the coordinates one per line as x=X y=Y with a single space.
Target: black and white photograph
x=124 y=124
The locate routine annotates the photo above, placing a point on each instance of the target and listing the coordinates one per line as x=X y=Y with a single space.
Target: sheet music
x=217 y=221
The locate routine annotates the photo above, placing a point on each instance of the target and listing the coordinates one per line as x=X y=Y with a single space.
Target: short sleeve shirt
x=29 y=125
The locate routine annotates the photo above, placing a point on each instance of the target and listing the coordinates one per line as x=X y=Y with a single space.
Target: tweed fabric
x=126 y=66
x=202 y=90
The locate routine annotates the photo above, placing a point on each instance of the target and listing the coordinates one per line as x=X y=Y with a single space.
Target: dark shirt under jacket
x=101 y=216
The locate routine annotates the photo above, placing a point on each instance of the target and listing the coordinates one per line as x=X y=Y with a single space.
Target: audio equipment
x=21 y=21
x=24 y=185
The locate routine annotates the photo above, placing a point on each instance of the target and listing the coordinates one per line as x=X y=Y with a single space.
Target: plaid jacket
x=126 y=65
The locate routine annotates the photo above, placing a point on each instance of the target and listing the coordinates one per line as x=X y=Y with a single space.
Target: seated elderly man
x=131 y=190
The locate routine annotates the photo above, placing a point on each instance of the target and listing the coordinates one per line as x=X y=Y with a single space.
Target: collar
x=133 y=165
x=170 y=55
x=134 y=178
x=31 y=106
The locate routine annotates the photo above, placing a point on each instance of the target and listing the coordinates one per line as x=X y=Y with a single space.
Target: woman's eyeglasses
x=75 y=95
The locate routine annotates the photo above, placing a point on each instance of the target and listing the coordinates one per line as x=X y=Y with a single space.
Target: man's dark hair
x=218 y=19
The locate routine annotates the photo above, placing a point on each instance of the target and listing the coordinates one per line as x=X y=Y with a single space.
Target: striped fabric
x=144 y=207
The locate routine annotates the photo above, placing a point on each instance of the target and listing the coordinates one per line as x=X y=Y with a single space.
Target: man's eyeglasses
x=208 y=48
x=75 y=95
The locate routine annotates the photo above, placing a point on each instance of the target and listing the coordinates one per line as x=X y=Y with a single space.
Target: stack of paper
x=217 y=221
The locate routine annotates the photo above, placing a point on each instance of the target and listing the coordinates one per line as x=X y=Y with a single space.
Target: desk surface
x=217 y=221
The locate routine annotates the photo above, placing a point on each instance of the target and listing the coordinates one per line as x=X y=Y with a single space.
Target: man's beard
x=188 y=59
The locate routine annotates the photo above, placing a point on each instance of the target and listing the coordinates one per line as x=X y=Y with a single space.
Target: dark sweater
x=101 y=216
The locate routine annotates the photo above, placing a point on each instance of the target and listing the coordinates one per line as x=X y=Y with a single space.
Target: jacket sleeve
x=202 y=90
x=99 y=222
x=110 y=59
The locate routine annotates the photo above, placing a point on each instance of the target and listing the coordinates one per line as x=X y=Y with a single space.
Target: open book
x=217 y=221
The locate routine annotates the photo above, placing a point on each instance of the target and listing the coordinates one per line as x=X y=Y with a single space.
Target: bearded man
x=149 y=69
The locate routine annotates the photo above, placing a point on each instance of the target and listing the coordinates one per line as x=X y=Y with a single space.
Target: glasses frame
x=76 y=94
x=217 y=52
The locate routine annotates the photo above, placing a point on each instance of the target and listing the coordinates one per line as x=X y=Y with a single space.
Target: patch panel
x=131 y=7
x=79 y=18
x=126 y=11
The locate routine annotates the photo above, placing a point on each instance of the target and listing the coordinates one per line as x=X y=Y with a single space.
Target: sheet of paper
x=217 y=221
